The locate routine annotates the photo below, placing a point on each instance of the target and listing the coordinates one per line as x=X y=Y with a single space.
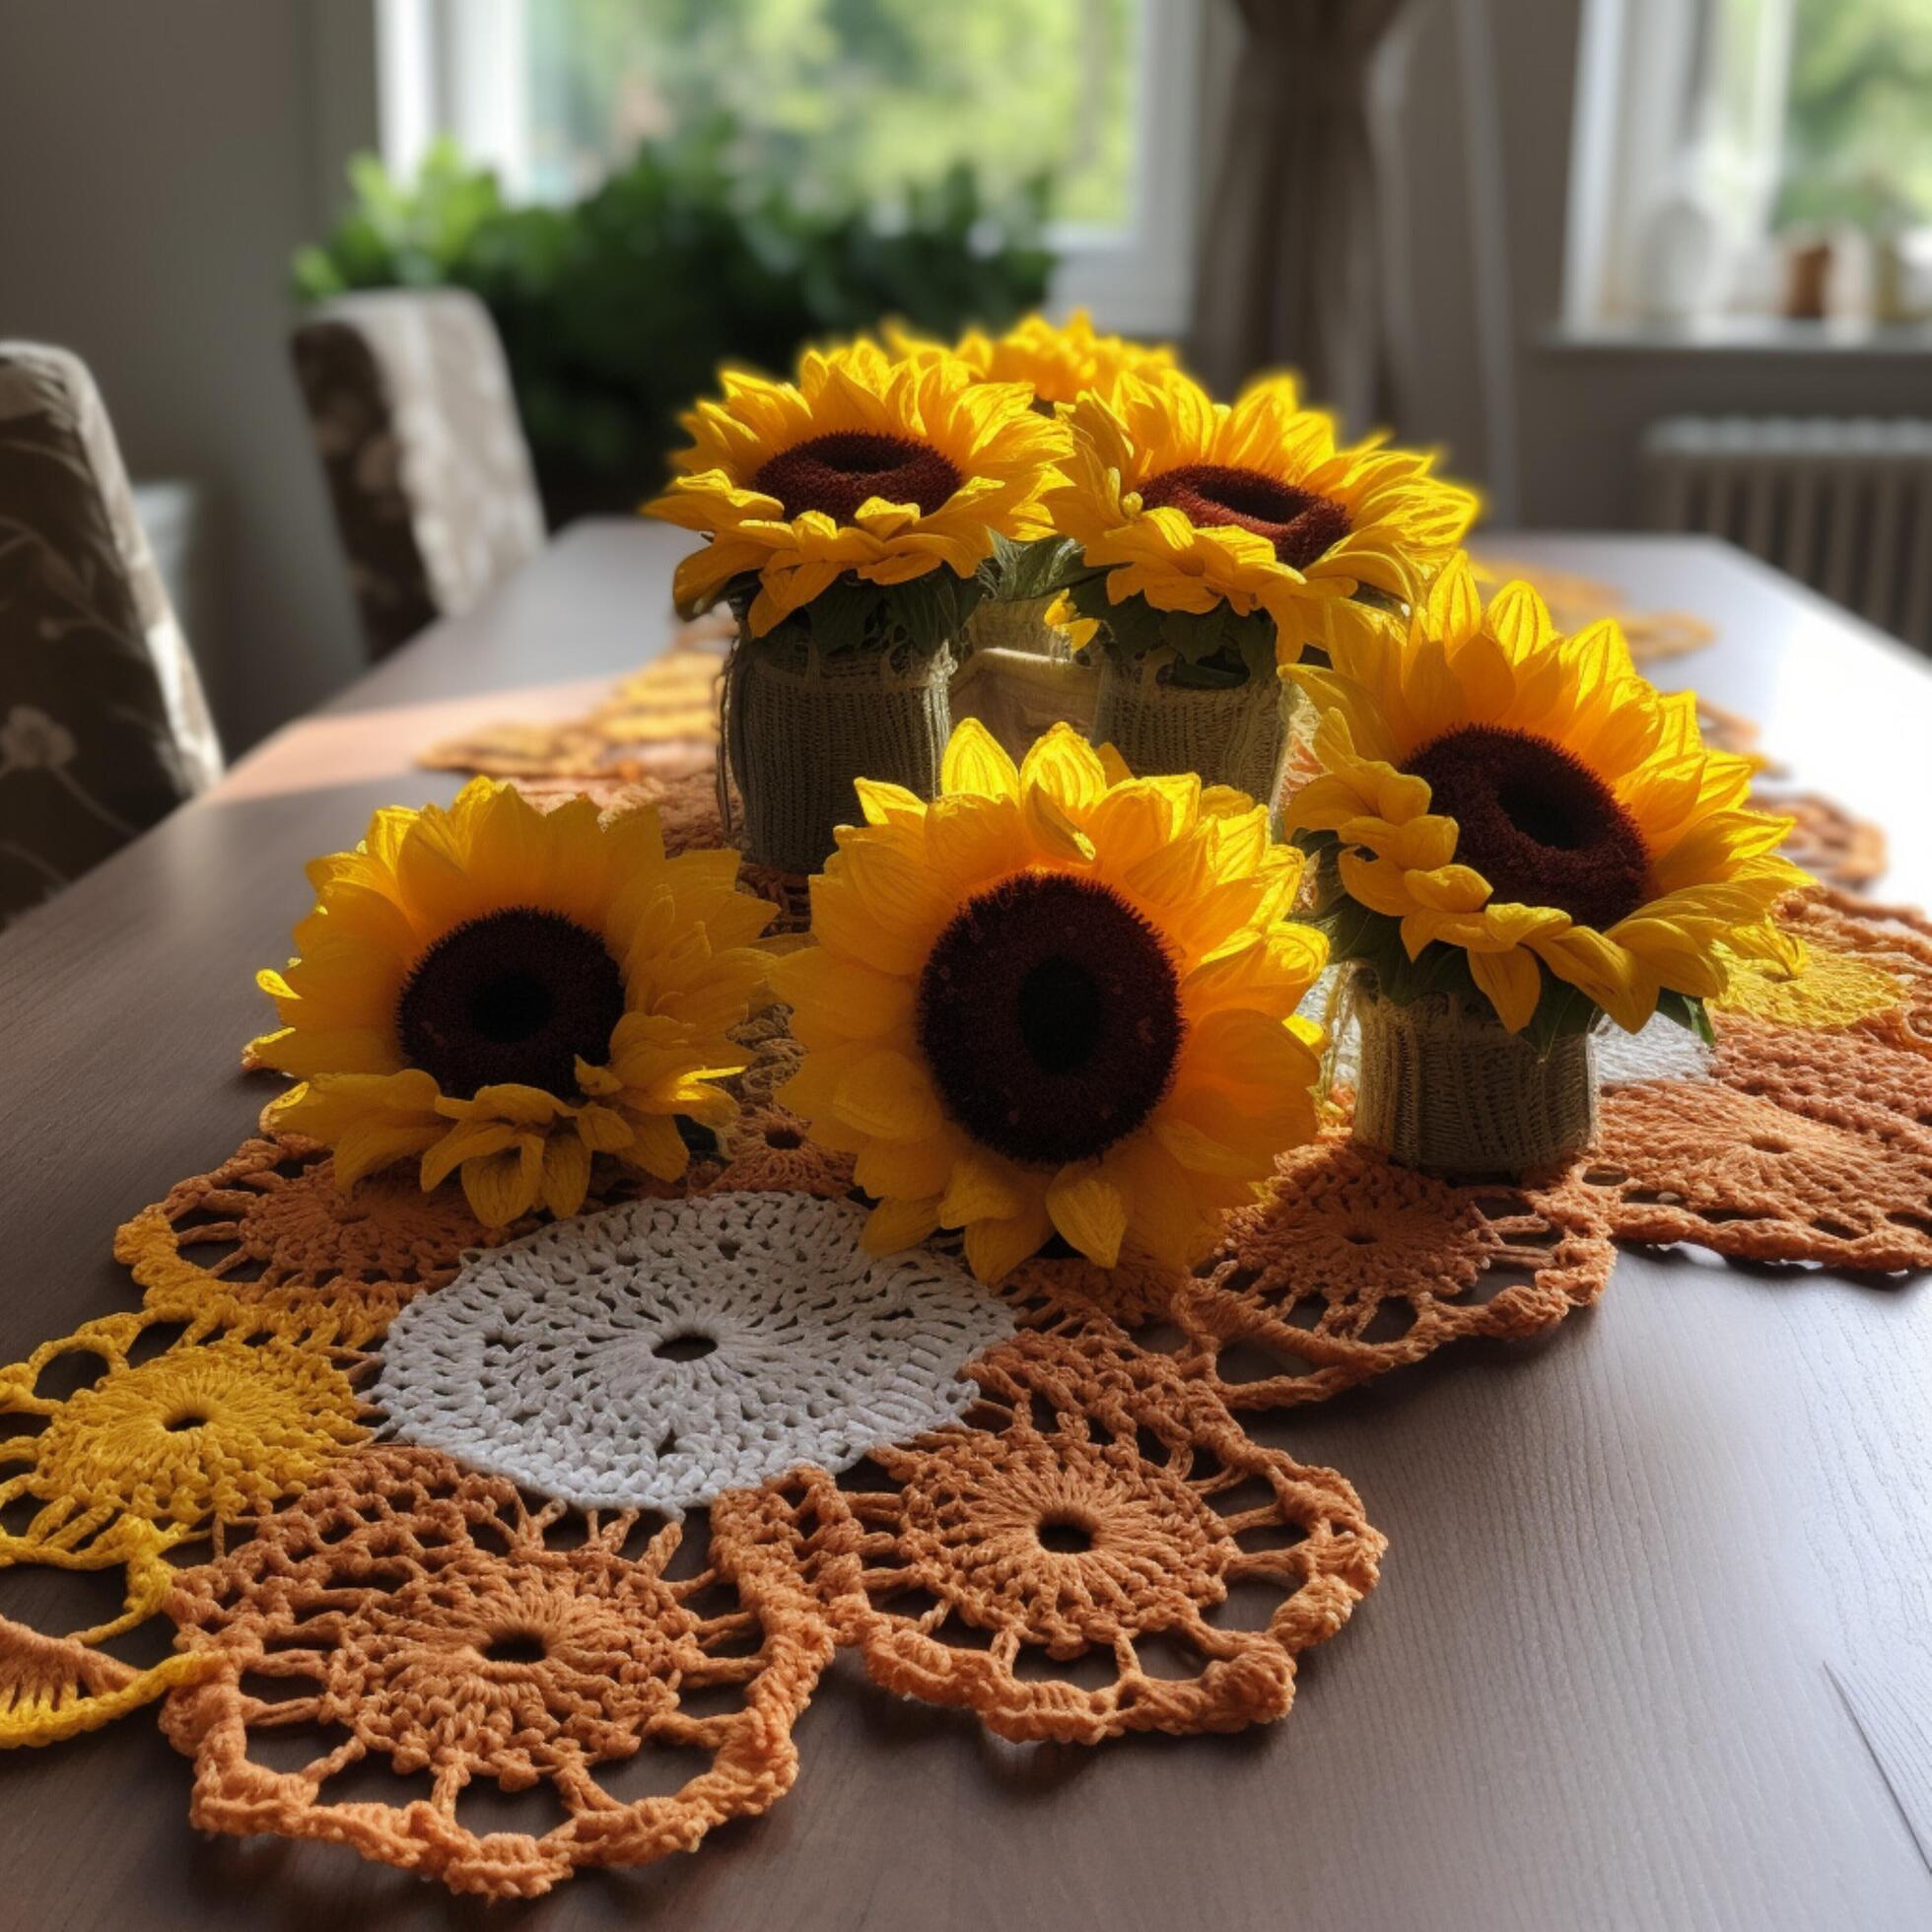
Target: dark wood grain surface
x=1651 y=1645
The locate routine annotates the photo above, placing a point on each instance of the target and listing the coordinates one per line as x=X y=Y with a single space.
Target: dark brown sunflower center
x=1299 y=524
x=1537 y=823
x=517 y=996
x=839 y=472
x=1050 y=1016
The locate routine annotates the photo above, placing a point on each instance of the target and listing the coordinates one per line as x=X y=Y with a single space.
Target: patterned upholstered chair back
x=435 y=499
x=103 y=726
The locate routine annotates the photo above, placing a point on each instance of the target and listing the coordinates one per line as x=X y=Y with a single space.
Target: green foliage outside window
x=1858 y=134
x=848 y=100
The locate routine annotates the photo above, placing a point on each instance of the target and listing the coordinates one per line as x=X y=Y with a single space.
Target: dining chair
x=104 y=729
x=435 y=499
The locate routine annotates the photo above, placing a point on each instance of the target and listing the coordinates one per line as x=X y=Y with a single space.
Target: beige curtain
x=1292 y=268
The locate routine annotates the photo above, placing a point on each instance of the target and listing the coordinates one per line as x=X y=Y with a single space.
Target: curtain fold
x=1291 y=270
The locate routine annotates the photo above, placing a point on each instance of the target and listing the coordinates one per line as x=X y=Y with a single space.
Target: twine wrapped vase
x=799 y=727
x=1446 y=1087
x=1232 y=736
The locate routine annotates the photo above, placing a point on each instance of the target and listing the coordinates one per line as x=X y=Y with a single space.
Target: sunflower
x=1192 y=504
x=1057 y=998
x=1057 y=361
x=886 y=469
x=1528 y=797
x=507 y=991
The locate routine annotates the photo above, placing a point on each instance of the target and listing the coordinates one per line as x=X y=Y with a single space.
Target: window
x=1753 y=157
x=844 y=101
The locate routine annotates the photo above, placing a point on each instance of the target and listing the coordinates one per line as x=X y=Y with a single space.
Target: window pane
x=1858 y=138
x=847 y=100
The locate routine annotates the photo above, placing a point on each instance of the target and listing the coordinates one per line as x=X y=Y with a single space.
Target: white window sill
x=1773 y=336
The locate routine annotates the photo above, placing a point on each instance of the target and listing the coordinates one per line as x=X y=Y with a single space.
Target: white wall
x=159 y=161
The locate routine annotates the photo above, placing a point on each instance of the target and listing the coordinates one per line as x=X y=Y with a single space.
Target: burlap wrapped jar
x=1446 y=1087
x=1231 y=736
x=798 y=728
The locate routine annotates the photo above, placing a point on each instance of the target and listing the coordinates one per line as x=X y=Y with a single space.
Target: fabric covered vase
x=1231 y=735
x=1445 y=1087
x=799 y=727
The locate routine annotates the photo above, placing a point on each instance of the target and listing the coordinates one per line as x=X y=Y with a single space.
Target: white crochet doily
x=653 y=1356
x=1662 y=1050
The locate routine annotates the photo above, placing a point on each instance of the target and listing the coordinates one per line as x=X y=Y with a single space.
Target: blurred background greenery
x=848 y=101
x=1858 y=127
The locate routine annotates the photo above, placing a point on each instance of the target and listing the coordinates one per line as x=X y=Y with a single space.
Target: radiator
x=1844 y=504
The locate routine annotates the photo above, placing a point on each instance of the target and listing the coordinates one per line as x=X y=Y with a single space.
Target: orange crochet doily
x=1701 y=1162
x=1354 y=1267
x=1827 y=841
x=1099 y=1549
x=268 y=1237
x=1812 y=1139
x=409 y=1612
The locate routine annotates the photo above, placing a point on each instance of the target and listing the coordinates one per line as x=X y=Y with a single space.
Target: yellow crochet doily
x=126 y=1439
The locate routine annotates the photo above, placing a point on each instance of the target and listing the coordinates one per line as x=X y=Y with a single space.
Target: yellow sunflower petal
x=976 y=764
x=838 y=999
x=887 y=1093
x=896 y=1224
x=758 y=515
x=980 y=1189
x=1684 y=860
x=657 y=1147
x=1088 y=1211
x=993 y=1249
x=1511 y=982
x=1139 y=452
x=913 y=1169
x=369 y=1145
x=566 y=1174
x=500 y=1187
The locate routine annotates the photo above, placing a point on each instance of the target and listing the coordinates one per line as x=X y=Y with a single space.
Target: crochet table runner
x=588 y=1505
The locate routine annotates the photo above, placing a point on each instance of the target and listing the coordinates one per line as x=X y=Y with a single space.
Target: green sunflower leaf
x=1688 y=1013
x=1019 y=572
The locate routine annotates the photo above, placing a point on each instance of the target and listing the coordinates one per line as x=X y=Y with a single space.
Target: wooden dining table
x=1653 y=1643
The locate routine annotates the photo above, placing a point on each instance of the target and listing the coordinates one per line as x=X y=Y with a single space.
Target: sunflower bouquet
x=848 y=517
x=1211 y=542
x=1518 y=840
